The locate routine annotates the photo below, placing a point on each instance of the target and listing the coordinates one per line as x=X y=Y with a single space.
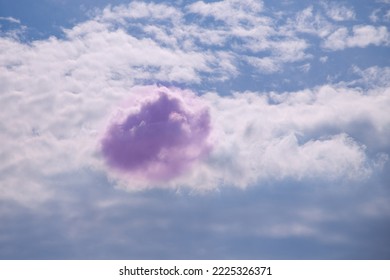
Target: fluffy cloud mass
x=91 y=99
x=301 y=135
x=361 y=36
x=255 y=129
x=159 y=139
x=255 y=137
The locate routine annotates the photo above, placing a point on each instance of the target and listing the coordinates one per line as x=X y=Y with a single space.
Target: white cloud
x=287 y=230
x=286 y=51
x=323 y=59
x=256 y=33
x=229 y=11
x=10 y=19
x=139 y=10
x=380 y=15
x=263 y=141
x=239 y=21
x=338 y=12
x=305 y=67
x=374 y=17
x=311 y=22
x=300 y=136
x=372 y=77
x=58 y=93
x=362 y=36
x=290 y=50
x=335 y=36
x=265 y=64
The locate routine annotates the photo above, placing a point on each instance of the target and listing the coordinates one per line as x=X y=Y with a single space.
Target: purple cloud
x=162 y=134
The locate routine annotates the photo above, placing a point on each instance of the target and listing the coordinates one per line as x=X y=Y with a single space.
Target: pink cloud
x=158 y=135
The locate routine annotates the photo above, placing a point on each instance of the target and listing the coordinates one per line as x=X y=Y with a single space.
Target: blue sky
x=296 y=160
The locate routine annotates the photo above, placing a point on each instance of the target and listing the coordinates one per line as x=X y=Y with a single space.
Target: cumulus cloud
x=361 y=37
x=334 y=35
x=159 y=139
x=323 y=59
x=299 y=136
x=296 y=135
x=338 y=12
x=265 y=64
x=229 y=11
x=86 y=112
x=372 y=77
x=380 y=15
x=139 y=10
x=312 y=22
x=58 y=95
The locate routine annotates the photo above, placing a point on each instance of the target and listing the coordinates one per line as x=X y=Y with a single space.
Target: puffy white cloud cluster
x=361 y=36
x=299 y=135
x=335 y=36
x=57 y=95
x=339 y=12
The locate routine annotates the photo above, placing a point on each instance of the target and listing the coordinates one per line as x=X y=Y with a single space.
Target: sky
x=194 y=129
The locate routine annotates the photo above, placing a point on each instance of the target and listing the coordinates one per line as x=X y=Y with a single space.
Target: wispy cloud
x=338 y=12
x=10 y=19
x=361 y=36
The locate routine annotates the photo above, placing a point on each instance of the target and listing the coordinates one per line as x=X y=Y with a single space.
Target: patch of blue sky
x=45 y=18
